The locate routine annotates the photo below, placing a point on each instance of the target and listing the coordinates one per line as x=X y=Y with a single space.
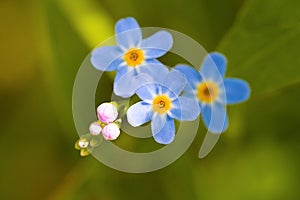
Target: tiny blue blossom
x=132 y=55
x=213 y=91
x=161 y=104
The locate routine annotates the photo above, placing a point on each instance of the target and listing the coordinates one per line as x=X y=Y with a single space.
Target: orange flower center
x=134 y=57
x=161 y=104
x=207 y=92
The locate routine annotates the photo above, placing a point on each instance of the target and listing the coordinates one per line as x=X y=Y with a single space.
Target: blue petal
x=128 y=33
x=139 y=114
x=174 y=82
x=121 y=71
x=158 y=122
x=189 y=92
x=145 y=86
x=237 y=90
x=124 y=86
x=153 y=60
x=143 y=79
x=107 y=58
x=214 y=66
x=166 y=134
x=192 y=75
x=147 y=91
x=185 y=108
x=157 y=45
x=215 y=117
x=156 y=70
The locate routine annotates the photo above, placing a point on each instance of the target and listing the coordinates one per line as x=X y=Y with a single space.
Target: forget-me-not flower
x=132 y=55
x=213 y=91
x=161 y=104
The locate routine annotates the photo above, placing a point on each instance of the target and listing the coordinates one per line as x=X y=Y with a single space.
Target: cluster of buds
x=85 y=142
x=82 y=145
x=107 y=123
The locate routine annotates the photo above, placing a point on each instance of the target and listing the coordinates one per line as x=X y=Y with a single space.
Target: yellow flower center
x=161 y=104
x=134 y=57
x=207 y=92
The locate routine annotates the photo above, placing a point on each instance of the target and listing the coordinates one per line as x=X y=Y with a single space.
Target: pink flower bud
x=95 y=128
x=111 y=131
x=107 y=113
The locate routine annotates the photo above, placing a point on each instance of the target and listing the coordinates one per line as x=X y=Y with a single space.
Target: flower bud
x=95 y=128
x=107 y=112
x=111 y=131
x=84 y=152
x=83 y=143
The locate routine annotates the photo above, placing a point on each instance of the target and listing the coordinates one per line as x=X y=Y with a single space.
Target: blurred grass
x=42 y=46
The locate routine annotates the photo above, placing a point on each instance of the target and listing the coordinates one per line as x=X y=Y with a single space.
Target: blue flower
x=213 y=91
x=161 y=104
x=132 y=56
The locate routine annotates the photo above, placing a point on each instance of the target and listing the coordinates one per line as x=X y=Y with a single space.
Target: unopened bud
x=107 y=112
x=83 y=143
x=95 y=128
x=111 y=131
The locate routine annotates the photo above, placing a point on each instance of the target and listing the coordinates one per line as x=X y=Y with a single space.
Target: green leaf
x=89 y=20
x=203 y=20
x=262 y=46
x=65 y=40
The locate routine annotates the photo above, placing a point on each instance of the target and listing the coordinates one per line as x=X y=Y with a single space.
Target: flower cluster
x=107 y=124
x=86 y=143
x=180 y=93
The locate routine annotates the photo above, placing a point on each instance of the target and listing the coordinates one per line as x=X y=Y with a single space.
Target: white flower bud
x=83 y=143
x=95 y=128
x=111 y=131
x=107 y=112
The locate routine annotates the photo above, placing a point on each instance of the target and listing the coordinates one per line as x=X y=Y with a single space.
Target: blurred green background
x=43 y=43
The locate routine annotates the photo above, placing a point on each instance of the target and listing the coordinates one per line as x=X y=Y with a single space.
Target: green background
x=43 y=43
